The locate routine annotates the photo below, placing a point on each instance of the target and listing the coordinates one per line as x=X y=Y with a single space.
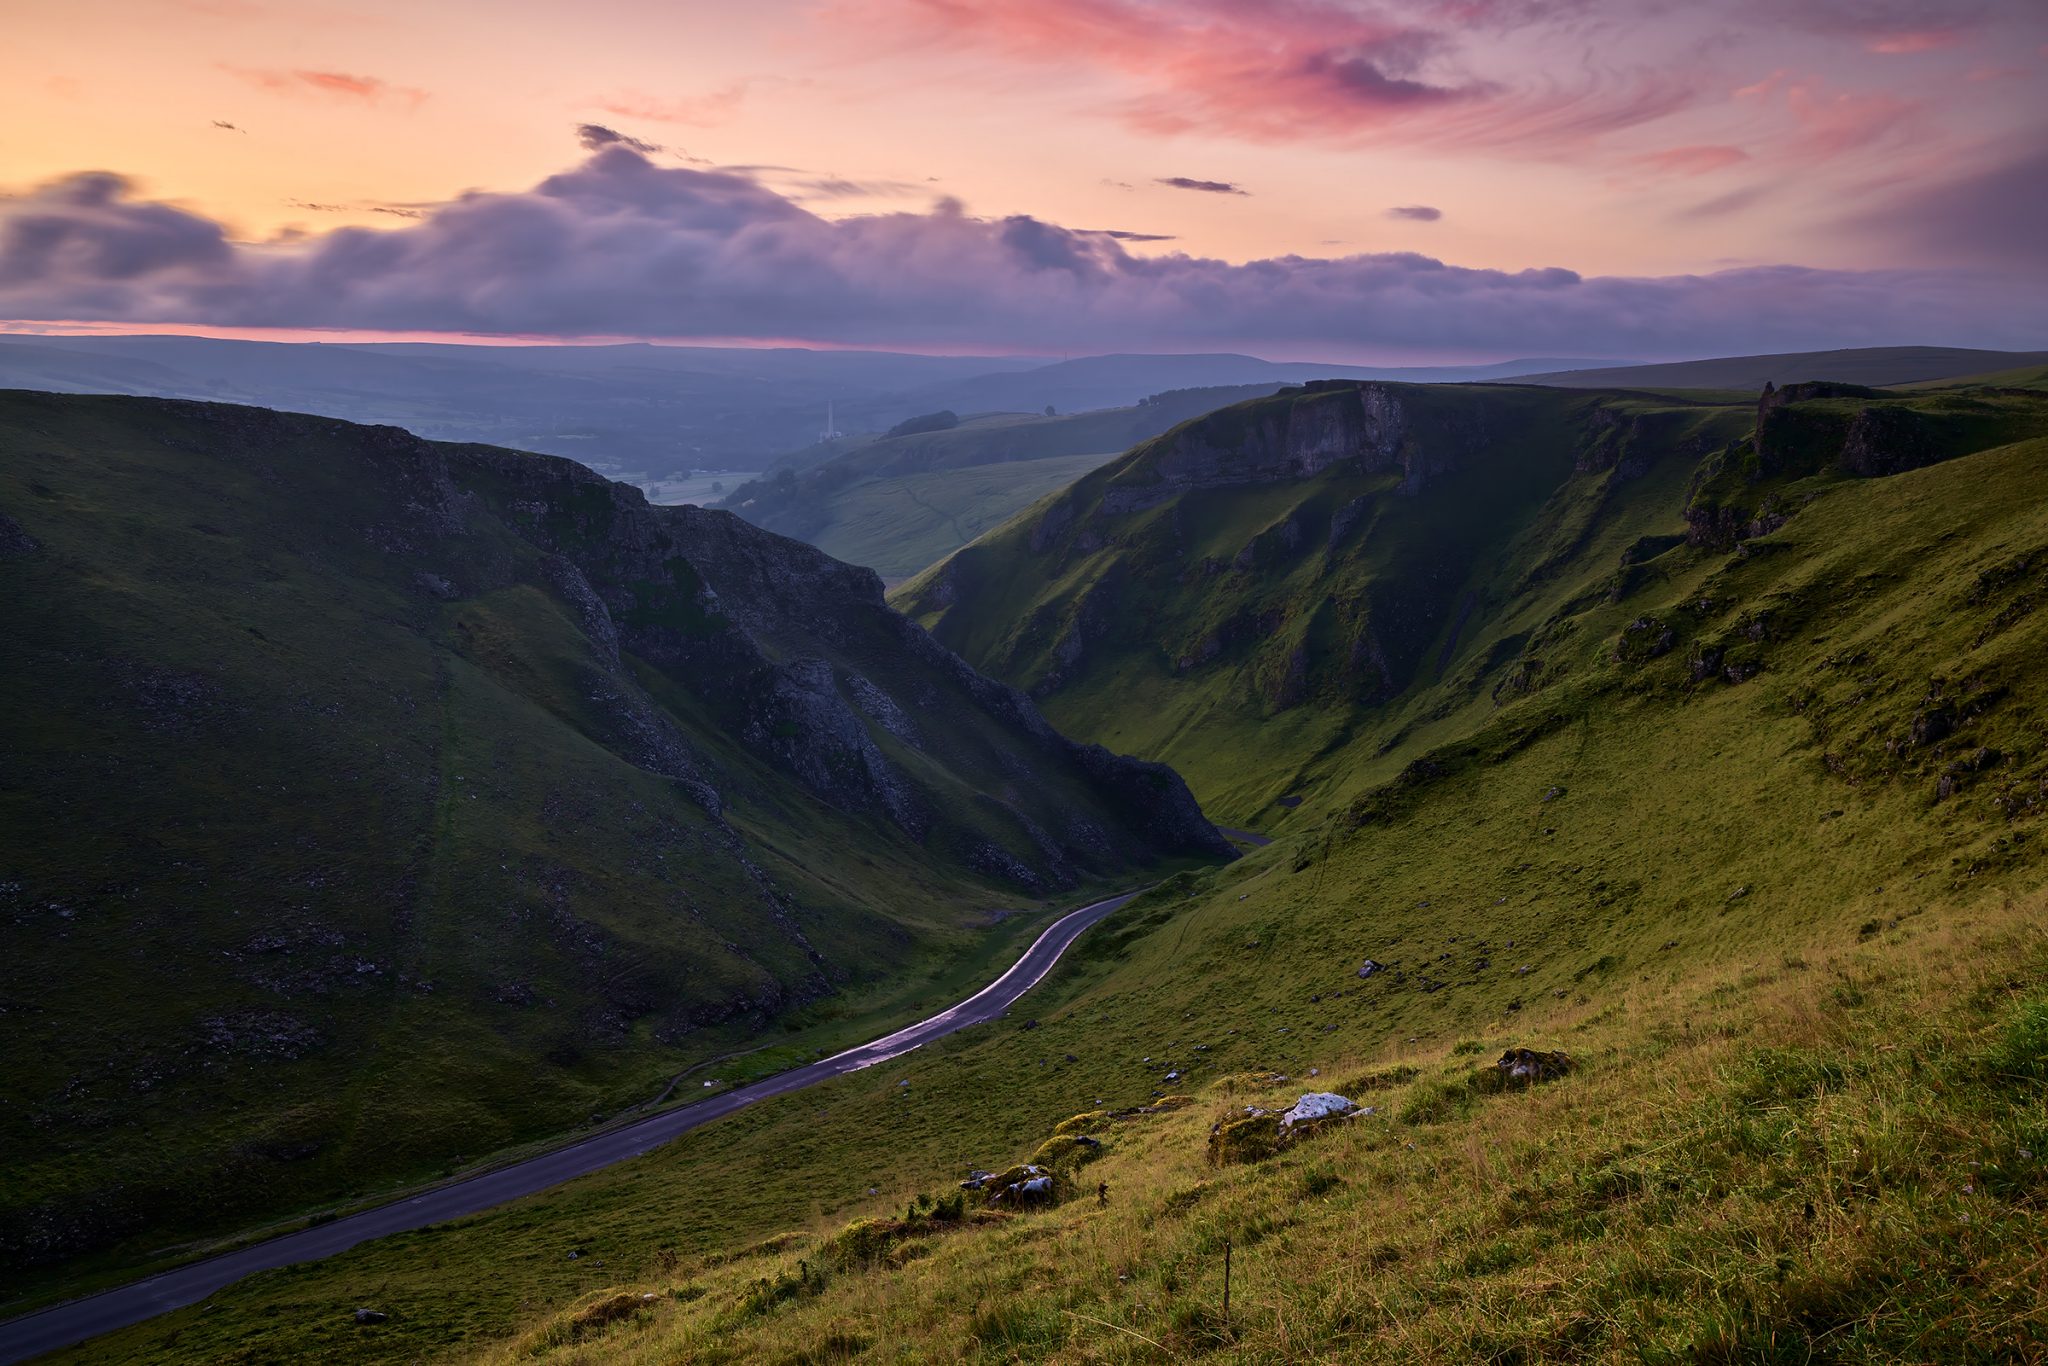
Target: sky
x=1377 y=180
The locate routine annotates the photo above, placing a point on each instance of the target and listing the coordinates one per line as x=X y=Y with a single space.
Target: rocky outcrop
x=1887 y=440
x=15 y=543
x=1271 y=441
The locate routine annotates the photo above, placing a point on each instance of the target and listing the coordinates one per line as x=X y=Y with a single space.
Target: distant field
x=898 y=526
x=696 y=491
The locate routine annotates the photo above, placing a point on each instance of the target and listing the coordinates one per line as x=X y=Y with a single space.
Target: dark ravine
x=76 y=1320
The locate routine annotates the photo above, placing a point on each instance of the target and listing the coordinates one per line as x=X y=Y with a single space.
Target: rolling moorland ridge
x=646 y=413
x=1695 y=737
x=373 y=805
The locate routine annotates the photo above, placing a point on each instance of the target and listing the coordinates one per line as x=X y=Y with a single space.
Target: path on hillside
x=76 y=1320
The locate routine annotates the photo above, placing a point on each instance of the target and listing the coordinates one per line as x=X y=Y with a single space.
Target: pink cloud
x=1290 y=70
x=697 y=111
x=1831 y=122
x=369 y=89
x=1914 y=40
x=1691 y=161
x=620 y=247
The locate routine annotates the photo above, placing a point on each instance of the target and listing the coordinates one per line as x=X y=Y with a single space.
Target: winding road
x=74 y=1321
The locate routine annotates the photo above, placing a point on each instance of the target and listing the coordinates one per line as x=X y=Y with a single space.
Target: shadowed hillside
x=370 y=803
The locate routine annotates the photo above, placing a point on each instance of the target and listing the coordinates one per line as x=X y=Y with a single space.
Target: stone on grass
x=1317 y=1105
x=1526 y=1066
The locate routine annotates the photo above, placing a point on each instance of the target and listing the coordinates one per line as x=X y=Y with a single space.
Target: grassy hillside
x=1733 y=1174
x=1280 y=617
x=1876 y=365
x=1750 y=830
x=370 y=805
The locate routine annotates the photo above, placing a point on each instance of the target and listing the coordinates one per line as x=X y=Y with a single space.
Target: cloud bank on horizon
x=1621 y=176
x=622 y=246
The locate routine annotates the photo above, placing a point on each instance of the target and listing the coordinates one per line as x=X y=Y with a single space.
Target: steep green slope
x=866 y=503
x=1775 y=881
x=370 y=802
x=1293 y=598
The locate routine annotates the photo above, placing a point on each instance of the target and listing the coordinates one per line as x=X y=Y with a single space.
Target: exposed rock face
x=14 y=542
x=1332 y=422
x=1887 y=440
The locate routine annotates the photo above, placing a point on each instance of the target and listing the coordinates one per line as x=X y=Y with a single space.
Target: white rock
x=1317 y=1105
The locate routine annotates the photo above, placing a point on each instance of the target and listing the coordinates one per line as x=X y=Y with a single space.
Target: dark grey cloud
x=619 y=246
x=1370 y=81
x=1120 y=235
x=229 y=127
x=1420 y=213
x=596 y=137
x=1181 y=182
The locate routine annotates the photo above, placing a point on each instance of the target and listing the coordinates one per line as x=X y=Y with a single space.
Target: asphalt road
x=1257 y=841
x=76 y=1320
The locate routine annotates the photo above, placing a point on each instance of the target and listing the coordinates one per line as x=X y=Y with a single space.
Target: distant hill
x=635 y=411
x=369 y=801
x=632 y=409
x=1873 y=365
x=897 y=504
x=1119 y=380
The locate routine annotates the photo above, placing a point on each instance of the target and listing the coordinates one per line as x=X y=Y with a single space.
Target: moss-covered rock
x=1251 y=1135
x=1086 y=1122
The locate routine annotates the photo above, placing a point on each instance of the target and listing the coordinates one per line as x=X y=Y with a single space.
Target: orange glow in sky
x=1611 y=139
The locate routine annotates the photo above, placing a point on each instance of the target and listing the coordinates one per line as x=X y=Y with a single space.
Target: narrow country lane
x=74 y=1321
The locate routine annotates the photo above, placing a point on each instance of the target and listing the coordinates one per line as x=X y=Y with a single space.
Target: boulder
x=1315 y=1105
x=1002 y=1187
x=1371 y=967
x=1527 y=1067
x=370 y=1316
x=1248 y=1137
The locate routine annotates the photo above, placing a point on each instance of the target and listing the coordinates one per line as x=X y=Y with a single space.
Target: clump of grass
x=2020 y=1054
